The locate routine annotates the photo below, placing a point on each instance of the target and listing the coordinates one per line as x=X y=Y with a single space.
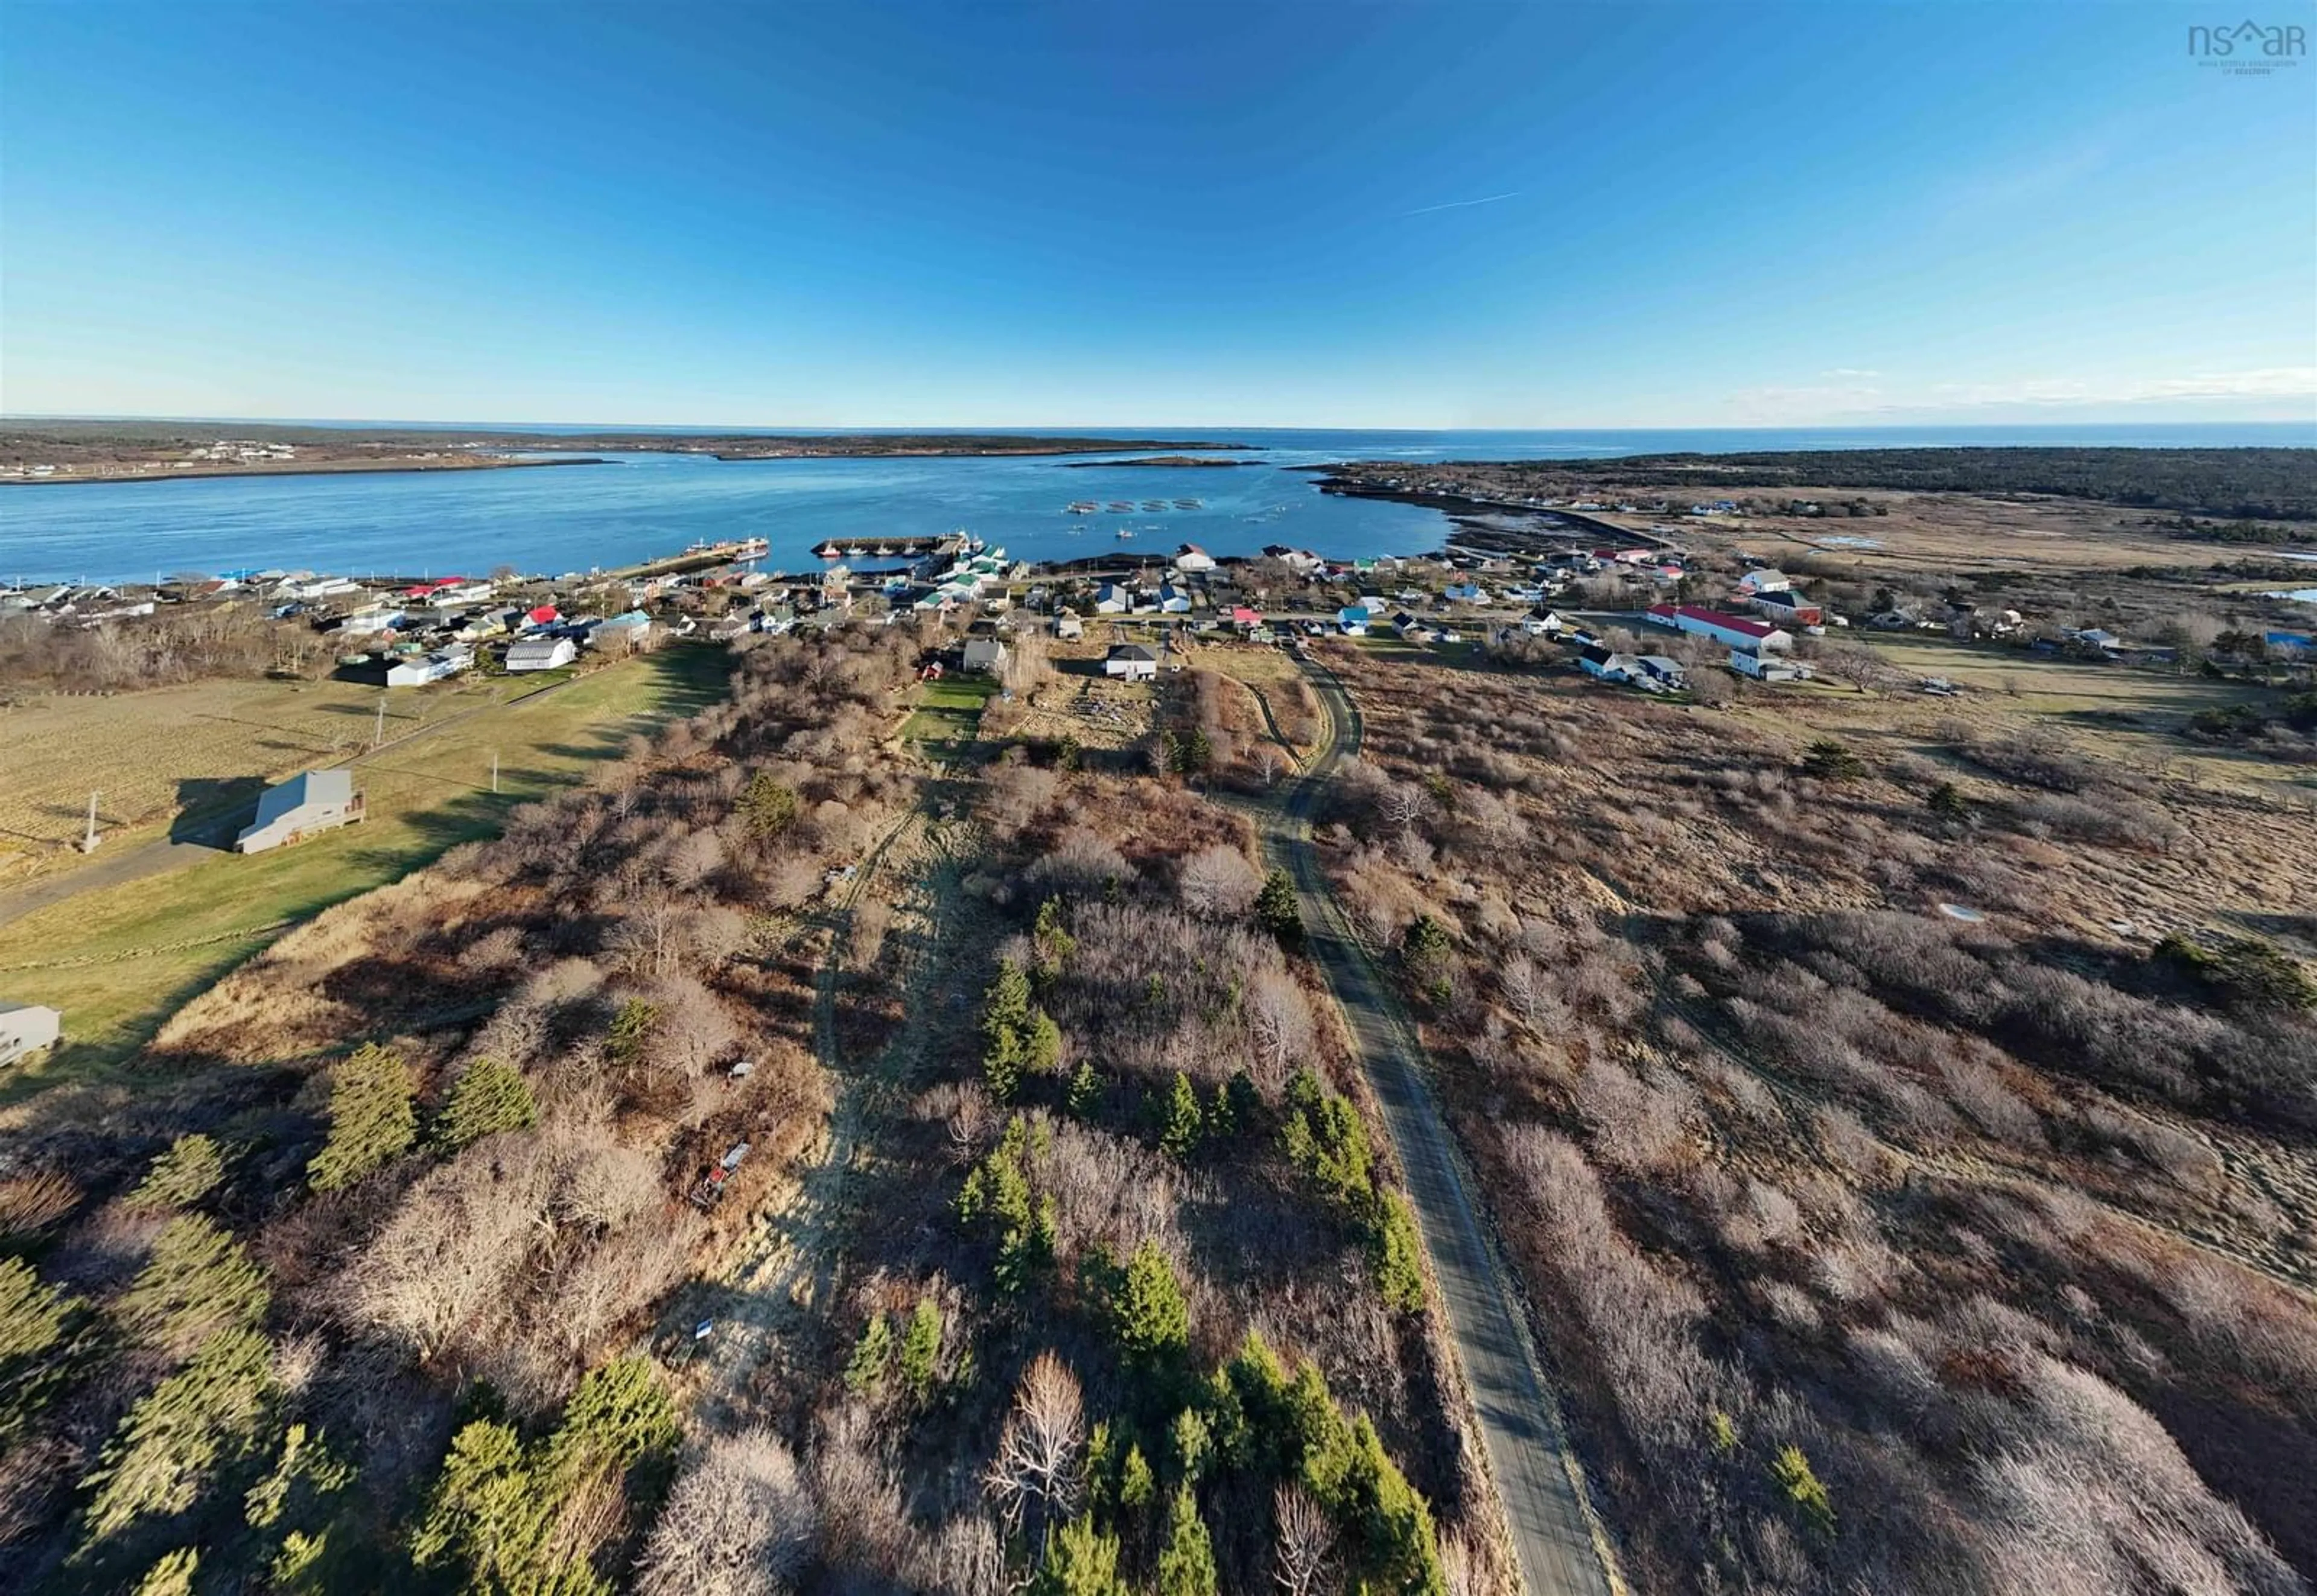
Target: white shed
x=315 y=801
x=25 y=1028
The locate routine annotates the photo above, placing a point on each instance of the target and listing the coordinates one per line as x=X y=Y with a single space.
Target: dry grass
x=1712 y=1040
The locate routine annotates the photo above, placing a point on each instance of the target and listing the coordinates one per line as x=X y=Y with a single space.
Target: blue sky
x=1092 y=214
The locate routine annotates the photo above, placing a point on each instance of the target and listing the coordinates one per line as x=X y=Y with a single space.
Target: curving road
x=1563 y=1548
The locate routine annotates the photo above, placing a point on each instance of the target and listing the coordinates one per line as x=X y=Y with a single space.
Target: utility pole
x=495 y=770
x=378 y=736
x=88 y=843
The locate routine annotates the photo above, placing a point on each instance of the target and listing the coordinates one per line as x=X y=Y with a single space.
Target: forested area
x=2235 y=484
x=333 y=1293
x=1876 y=1249
x=362 y=1281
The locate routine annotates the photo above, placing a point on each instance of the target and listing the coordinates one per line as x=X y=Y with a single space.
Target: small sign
x=700 y=1330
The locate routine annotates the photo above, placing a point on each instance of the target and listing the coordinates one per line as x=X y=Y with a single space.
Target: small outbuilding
x=26 y=1028
x=315 y=801
x=1131 y=662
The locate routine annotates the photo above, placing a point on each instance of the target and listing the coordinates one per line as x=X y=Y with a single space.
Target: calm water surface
x=566 y=518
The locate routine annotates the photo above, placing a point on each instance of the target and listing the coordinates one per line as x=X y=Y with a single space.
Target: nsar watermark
x=2249 y=49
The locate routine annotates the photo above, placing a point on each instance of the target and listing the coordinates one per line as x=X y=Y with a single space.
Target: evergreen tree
x=1365 y=1492
x=1193 y=1444
x=35 y=1345
x=1399 y=1255
x=372 y=1120
x=492 y=1095
x=921 y=1350
x=1803 y=1489
x=620 y=1415
x=1006 y=1006
x=1085 y=1092
x=632 y=1028
x=487 y=1514
x=183 y=1175
x=1187 y=1563
x=1277 y=909
x=171 y=1443
x=173 y=1575
x=1041 y=1044
x=1326 y=1142
x=198 y=1281
x=1180 y=1121
x=1149 y=1315
x=1081 y=1560
x=766 y=807
x=1054 y=944
x=872 y=1355
x=1948 y=801
x=1136 y=1485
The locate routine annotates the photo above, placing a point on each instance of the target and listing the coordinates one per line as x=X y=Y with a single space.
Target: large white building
x=1755 y=637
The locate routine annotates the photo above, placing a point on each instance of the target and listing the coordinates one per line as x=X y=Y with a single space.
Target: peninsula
x=98 y=451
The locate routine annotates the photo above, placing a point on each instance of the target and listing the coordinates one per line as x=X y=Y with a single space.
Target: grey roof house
x=315 y=801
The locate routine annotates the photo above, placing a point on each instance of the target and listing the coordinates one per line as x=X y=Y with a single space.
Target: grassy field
x=2135 y=715
x=118 y=960
x=193 y=754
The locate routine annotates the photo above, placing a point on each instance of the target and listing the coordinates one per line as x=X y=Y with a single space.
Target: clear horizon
x=1395 y=218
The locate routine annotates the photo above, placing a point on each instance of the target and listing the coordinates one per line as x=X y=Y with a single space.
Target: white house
x=985 y=656
x=1111 y=598
x=1763 y=579
x=1190 y=557
x=315 y=801
x=25 y=1028
x=1600 y=662
x=1173 y=600
x=1068 y=626
x=551 y=653
x=418 y=669
x=1466 y=593
x=1352 y=620
x=1131 y=662
x=1767 y=668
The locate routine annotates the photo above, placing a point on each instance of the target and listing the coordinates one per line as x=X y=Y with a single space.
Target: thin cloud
x=1460 y=204
x=1849 y=372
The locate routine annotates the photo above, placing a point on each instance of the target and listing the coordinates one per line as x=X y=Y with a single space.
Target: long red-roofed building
x=1754 y=637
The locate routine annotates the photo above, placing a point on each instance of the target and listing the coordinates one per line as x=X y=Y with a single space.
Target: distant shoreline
x=1173 y=461
x=320 y=467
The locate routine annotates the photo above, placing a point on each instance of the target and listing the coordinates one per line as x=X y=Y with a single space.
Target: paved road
x=1561 y=1549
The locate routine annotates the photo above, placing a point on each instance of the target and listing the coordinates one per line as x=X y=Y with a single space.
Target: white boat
x=1125 y=532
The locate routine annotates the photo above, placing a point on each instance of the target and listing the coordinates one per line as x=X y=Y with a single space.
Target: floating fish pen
x=1149 y=504
x=1120 y=508
x=1083 y=506
x=1190 y=503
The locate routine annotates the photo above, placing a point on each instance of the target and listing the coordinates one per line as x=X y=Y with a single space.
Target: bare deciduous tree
x=1305 y=1547
x=1217 y=882
x=1036 y=1475
x=739 y=1522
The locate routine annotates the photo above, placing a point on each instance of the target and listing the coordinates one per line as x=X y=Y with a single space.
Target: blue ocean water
x=573 y=517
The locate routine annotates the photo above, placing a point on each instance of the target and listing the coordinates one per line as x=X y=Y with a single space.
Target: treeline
x=2238 y=484
x=158 y=650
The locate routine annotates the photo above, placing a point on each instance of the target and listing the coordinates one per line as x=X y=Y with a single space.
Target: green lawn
x=119 y=960
x=949 y=710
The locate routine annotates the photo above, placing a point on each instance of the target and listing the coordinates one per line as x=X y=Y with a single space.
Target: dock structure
x=947 y=545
